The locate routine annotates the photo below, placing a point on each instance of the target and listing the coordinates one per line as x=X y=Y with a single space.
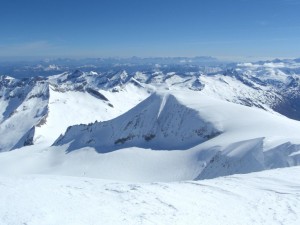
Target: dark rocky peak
x=76 y=74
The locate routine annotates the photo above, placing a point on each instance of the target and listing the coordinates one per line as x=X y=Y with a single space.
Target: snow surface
x=269 y=198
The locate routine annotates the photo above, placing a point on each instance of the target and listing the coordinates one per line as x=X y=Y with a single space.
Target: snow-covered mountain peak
x=272 y=88
x=159 y=122
x=216 y=120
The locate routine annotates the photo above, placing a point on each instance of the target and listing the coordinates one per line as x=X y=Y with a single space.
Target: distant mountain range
x=47 y=67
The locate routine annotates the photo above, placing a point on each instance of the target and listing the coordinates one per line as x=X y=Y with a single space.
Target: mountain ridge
x=190 y=124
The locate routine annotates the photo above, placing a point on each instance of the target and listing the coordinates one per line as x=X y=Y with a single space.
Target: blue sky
x=232 y=29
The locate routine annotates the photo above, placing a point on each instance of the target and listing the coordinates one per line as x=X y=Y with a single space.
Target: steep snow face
x=23 y=104
x=284 y=155
x=249 y=156
x=159 y=122
x=241 y=157
x=269 y=197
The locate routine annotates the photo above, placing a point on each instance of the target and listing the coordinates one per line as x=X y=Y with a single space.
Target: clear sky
x=105 y=28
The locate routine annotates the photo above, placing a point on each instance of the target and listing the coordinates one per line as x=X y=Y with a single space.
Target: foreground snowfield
x=268 y=197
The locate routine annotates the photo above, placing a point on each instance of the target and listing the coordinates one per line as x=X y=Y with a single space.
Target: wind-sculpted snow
x=159 y=122
x=284 y=155
x=250 y=156
x=242 y=157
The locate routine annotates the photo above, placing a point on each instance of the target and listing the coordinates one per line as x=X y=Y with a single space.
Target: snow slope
x=128 y=164
x=269 y=197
